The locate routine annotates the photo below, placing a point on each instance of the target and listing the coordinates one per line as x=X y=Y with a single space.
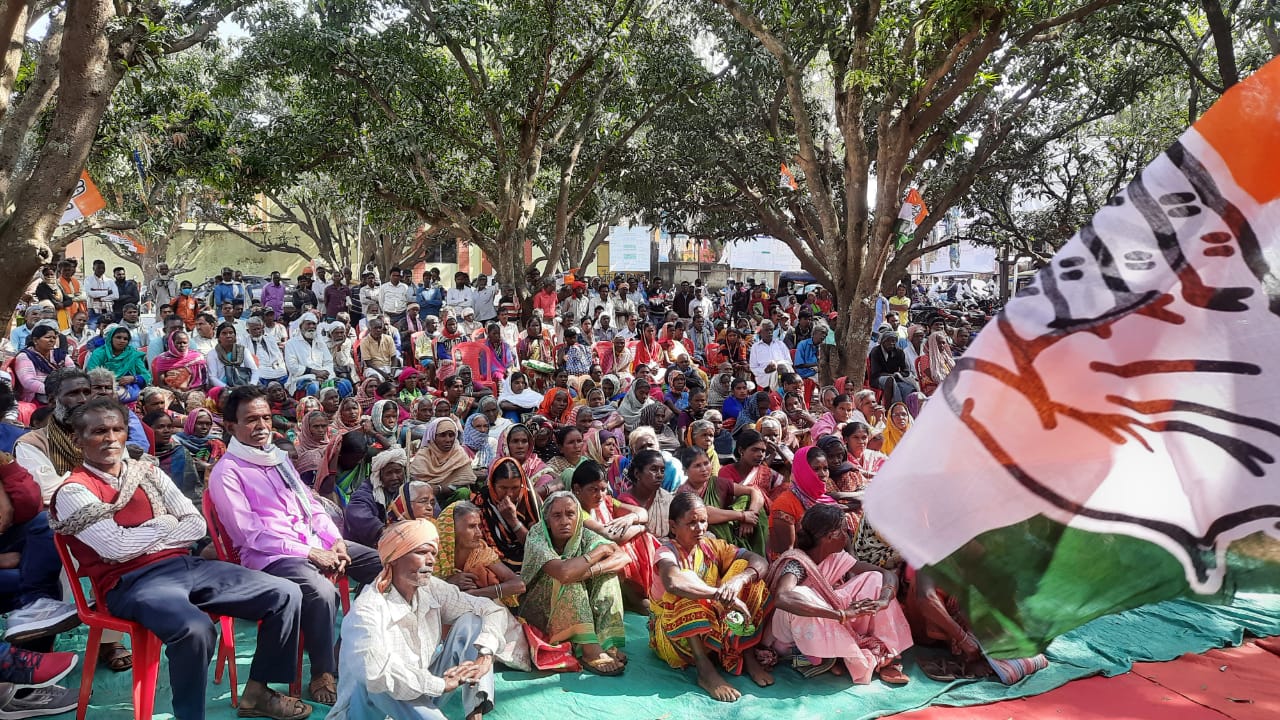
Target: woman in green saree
x=572 y=585
x=737 y=513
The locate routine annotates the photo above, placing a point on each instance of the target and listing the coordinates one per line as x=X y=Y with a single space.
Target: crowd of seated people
x=491 y=487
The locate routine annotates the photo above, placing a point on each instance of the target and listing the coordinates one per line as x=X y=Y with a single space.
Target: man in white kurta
x=769 y=356
x=389 y=665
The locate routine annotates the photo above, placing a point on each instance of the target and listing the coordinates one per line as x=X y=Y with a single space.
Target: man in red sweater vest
x=131 y=530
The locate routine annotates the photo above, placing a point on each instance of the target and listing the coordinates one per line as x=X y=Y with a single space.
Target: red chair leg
x=87 y=668
x=146 y=675
x=344 y=591
x=227 y=654
x=295 y=688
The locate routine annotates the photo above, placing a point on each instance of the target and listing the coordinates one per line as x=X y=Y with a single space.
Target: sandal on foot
x=323 y=689
x=115 y=656
x=598 y=666
x=277 y=707
x=617 y=654
x=893 y=674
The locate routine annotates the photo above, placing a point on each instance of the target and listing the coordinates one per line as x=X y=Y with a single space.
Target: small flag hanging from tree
x=913 y=213
x=786 y=180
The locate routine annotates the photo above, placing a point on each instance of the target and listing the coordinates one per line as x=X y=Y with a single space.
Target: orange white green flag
x=1111 y=438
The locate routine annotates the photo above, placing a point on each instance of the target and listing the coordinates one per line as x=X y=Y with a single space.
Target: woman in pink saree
x=832 y=607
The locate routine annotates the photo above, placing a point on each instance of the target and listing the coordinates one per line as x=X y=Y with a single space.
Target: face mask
x=186 y=291
x=309 y=335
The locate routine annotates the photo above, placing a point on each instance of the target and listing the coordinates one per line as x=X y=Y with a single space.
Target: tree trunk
x=856 y=311
x=88 y=76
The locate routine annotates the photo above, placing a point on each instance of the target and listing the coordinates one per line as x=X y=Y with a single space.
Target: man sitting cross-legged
x=393 y=660
x=131 y=529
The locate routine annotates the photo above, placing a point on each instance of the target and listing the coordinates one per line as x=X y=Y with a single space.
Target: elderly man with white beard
x=308 y=360
x=389 y=663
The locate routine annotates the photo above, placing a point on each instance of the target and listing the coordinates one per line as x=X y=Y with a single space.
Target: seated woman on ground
x=709 y=603
x=573 y=590
x=831 y=606
x=621 y=523
x=510 y=515
x=736 y=513
x=469 y=562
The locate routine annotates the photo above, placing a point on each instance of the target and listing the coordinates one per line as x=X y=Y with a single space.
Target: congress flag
x=85 y=200
x=913 y=212
x=1111 y=438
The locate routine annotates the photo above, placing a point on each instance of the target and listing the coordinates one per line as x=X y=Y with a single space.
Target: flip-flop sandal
x=597 y=666
x=115 y=656
x=617 y=655
x=893 y=674
x=276 y=708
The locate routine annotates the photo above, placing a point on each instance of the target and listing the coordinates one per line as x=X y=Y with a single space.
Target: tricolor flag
x=913 y=213
x=125 y=240
x=85 y=200
x=786 y=180
x=1112 y=438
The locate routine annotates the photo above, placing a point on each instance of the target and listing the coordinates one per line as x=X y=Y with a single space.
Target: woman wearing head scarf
x=516 y=398
x=506 y=501
x=179 y=367
x=557 y=406
x=516 y=442
x=637 y=398
x=898 y=423
x=384 y=419
x=477 y=443
x=314 y=436
x=203 y=449
x=655 y=415
x=935 y=363
x=409 y=390
x=367 y=393
x=809 y=476
x=469 y=562
x=365 y=516
x=442 y=462
x=348 y=416
x=572 y=585
x=174 y=461
x=755 y=407
x=124 y=361
x=832 y=606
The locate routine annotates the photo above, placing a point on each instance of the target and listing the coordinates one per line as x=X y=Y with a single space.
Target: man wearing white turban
x=389 y=665
x=308 y=360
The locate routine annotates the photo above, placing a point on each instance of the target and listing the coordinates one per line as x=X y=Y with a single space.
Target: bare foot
x=758 y=674
x=716 y=686
x=10 y=560
x=617 y=654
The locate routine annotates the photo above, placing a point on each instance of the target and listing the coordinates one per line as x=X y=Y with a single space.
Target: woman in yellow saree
x=709 y=602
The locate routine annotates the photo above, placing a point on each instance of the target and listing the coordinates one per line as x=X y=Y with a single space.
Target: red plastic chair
x=146 y=646
x=227 y=553
x=474 y=355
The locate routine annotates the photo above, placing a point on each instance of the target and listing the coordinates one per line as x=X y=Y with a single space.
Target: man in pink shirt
x=278 y=526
